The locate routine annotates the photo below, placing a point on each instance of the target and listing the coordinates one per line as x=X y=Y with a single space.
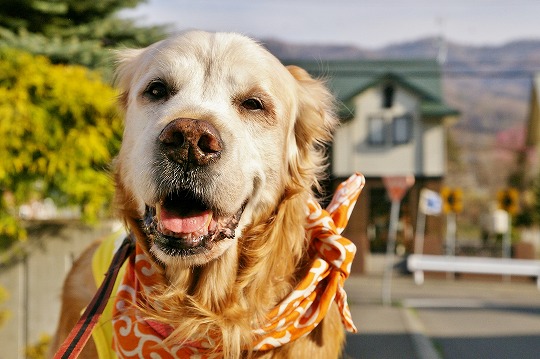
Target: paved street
x=447 y=319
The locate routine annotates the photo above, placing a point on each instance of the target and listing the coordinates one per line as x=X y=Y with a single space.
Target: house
x=394 y=122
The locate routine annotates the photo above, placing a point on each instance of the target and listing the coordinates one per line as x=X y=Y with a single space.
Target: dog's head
x=217 y=131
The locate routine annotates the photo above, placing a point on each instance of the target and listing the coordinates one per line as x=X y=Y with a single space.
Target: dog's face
x=211 y=135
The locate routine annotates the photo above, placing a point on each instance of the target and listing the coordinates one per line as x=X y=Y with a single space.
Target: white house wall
x=435 y=143
x=423 y=155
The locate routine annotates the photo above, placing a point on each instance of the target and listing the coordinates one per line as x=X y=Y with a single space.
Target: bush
x=59 y=131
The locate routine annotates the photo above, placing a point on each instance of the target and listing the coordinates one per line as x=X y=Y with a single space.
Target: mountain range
x=490 y=85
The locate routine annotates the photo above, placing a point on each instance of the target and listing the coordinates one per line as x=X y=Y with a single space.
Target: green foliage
x=72 y=31
x=60 y=130
x=536 y=201
x=39 y=350
x=58 y=125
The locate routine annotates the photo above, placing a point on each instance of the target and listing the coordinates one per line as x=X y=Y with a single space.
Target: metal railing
x=418 y=263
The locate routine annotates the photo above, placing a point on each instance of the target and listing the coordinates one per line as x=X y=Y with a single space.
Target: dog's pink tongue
x=187 y=224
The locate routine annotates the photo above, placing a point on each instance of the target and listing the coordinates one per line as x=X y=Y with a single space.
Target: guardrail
x=418 y=263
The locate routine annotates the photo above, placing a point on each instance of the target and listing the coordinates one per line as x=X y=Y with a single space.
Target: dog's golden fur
x=231 y=293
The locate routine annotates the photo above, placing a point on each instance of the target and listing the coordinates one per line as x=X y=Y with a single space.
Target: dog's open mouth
x=183 y=225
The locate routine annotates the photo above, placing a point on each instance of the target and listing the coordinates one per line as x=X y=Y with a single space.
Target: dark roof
x=348 y=78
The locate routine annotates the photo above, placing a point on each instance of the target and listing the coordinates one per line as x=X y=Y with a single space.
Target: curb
x=423 y=346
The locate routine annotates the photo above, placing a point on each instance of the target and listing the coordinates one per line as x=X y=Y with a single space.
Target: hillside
x=489 y=85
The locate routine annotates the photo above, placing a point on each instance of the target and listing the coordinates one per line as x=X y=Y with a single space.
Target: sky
x=364 y=23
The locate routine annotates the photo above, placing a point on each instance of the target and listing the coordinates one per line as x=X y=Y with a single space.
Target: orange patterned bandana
x=297 y=315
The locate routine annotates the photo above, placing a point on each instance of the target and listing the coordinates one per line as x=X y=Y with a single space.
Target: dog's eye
x=253 y=104
x=157 y=90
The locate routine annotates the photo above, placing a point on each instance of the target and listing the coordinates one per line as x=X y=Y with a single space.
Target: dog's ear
x=126 y=63
x=315 y=123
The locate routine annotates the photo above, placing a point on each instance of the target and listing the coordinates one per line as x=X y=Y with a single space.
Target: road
x=483 y=330
x=460 y=318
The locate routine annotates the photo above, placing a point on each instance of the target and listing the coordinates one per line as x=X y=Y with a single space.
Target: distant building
x=394 y=122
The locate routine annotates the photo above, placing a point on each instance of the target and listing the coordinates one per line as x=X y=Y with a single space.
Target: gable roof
x=348 y=78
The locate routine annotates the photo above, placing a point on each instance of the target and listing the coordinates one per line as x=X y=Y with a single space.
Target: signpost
x=452 y=204
x=396 y=187
x=430 y=204
x=508 y=200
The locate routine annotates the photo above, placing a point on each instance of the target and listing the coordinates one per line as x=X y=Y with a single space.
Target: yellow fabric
x=102 y=333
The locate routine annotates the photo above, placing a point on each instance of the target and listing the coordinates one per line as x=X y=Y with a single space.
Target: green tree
x=72 y=31
x=59 y=131
x=535 y=206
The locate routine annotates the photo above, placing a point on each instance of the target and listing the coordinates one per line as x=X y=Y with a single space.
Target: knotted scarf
x=297 y=315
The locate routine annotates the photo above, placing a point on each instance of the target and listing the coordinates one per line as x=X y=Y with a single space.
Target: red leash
x=79 y=335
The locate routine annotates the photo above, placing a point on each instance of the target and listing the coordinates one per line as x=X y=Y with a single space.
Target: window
x=402 y=129
x=388 y=96
x=376 y=135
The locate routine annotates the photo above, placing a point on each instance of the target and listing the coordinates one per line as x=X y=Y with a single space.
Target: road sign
x=500 y=221
x=452 y=200
x=508 y=200
x=397 y=186
x=430 y=202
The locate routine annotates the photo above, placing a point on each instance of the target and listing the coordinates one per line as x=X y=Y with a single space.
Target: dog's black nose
x=189 y=141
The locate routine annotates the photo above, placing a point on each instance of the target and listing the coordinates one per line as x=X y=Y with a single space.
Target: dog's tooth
x=208 y=220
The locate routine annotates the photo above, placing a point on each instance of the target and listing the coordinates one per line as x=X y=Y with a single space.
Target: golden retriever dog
x=223 y=147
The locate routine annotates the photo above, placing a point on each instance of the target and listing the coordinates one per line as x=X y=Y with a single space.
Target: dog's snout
x=189 y=141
